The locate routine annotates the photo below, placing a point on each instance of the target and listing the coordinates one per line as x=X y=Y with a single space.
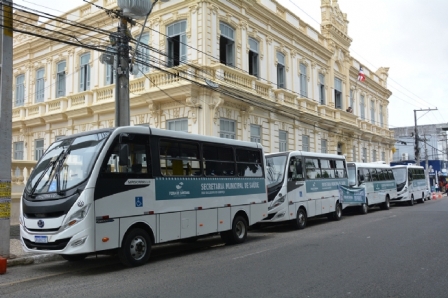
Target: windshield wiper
x=61 y=161
x=51 y=164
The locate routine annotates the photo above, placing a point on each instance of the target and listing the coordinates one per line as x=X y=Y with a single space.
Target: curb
x=33 y=259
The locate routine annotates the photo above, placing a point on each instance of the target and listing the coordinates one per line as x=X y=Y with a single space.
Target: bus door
x=295 y=185
x=365 y=180
x=122 y=187
x=411 y=187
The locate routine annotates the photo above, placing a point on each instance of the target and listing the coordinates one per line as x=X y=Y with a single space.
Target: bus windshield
x=351 y=171
x=400 y=175
x=66 y=163
x=275 y=168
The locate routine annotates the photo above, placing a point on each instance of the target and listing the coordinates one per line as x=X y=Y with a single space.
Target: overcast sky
x=408 y=36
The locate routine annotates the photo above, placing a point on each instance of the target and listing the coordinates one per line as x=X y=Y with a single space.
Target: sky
x=408 y=36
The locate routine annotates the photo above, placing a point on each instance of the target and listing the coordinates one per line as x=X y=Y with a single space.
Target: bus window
x=249 y=163
x=327 y=168
x=312 y=168
x=390 y=174
x=129 y=156
x=295 y=172
x=179 y=158
x=367 y=177
x=340 y=169
x=218 y=161
x=410 y=174
x=380 y=173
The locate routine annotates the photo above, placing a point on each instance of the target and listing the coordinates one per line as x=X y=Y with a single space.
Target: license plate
x=41 y=239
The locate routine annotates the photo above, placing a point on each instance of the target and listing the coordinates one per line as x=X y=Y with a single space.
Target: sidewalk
x=19 y=257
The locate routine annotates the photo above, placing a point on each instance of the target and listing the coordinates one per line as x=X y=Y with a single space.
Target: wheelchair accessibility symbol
x=138 y=201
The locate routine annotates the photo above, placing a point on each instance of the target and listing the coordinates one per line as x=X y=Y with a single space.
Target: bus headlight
x=278 y=202
x=76 y=217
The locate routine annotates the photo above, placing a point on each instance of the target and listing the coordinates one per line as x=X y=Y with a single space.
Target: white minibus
x=127 y=188
x=378 y=181
x=411 y=183
x=302 y=185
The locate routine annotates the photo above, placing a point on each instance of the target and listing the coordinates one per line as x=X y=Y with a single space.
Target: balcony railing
x=21 y=170
x=219 y=74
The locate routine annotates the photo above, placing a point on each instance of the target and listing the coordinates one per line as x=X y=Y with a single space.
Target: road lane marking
x=254 y=253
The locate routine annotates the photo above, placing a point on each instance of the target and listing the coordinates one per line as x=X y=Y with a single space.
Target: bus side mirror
x=123 y=155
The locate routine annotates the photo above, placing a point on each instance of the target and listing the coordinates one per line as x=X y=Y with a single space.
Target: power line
x=224 y=91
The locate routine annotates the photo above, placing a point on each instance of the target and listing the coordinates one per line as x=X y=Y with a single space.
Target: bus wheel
x=422 y=200
x=238 y=233
x=337 y=214
x=364 y=208
x=136 y=248
x=74 y=258
x=300 y=222
x=386 y=204
x=411 y=202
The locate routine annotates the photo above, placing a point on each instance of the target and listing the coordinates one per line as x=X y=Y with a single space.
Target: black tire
x=74 y=258
x=411 y=202
x=337 y=213
x=135 y=248
x=300 y=222
x=386 y=204
x=238 y=233
x=364 y=208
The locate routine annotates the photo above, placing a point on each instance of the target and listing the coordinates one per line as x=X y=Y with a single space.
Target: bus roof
x=307 y=154
x=167 y=133
x=408 y=166
x=369 y=165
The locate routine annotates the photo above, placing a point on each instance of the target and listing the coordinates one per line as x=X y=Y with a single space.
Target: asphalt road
x=402 y=252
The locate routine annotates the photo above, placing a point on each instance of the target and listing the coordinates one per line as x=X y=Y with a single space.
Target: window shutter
x=81 y=79
x=183 y=47
x=230 y=54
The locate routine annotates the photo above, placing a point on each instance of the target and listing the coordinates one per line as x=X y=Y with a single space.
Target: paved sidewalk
x=19 y=257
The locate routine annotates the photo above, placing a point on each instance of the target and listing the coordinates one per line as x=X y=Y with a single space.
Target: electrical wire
x=224 y=91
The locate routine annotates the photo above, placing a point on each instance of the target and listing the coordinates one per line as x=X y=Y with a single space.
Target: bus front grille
x=57 y=245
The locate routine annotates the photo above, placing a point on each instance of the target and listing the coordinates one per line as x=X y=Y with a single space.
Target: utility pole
x=416 y=146
x=130 y=9
x=6 y=126
x=122 y=109
x=426 y=156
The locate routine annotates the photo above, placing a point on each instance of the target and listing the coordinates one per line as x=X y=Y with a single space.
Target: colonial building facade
x=248 y=70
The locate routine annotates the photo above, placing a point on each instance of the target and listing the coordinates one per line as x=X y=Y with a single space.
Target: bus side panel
x=188 y=224
x=126 y=222
x=107 y=229
x=169 y=227
x=311 y=208
x=224 y=219
x=245 y=208
x=327 y=205
x=318 y=206
x=257 y=212
x=207 y=221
